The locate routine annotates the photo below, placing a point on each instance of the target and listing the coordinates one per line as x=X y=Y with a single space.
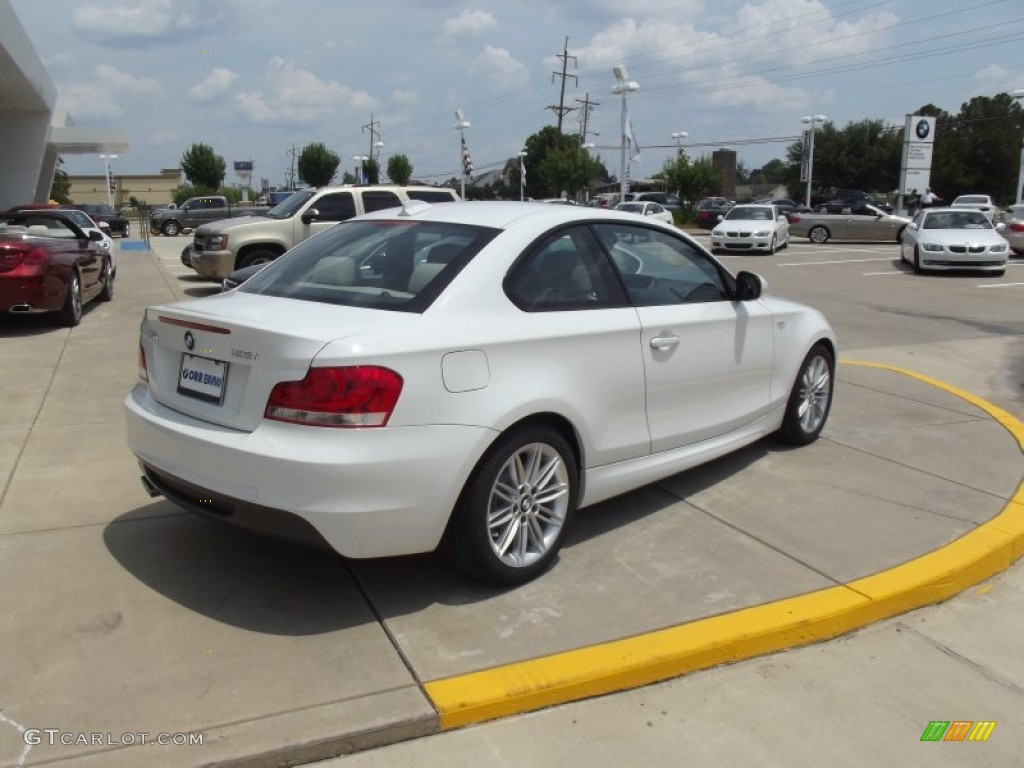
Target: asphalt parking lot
x=123 y=614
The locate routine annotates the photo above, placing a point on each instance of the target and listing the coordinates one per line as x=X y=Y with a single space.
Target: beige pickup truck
x=220 y=247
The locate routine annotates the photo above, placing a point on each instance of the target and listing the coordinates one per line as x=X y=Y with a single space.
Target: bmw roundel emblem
x=923 y=129
x=190 y=340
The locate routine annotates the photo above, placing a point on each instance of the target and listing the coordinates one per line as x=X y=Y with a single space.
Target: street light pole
x=811 y=120
x=623 y=85
x=360 y=159
x=522 y=175
x=461 y=123
x=679 y=136
x=107 y=178
x=1019 y=95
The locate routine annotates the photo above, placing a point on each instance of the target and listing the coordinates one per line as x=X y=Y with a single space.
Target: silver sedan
x=866 y=222
x=954 y=238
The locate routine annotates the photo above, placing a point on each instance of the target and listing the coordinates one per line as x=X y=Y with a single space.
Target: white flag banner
x=627 y=132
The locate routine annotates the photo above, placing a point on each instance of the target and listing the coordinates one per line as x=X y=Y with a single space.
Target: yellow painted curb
x=667 y=653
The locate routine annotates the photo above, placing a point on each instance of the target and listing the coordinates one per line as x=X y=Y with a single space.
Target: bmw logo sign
x=190 y=340
x=922 y=129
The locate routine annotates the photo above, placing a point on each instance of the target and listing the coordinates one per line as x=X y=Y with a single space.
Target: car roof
x=505 y=215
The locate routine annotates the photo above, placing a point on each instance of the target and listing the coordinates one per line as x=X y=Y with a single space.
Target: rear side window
x=565 y=271
x=379 y=200
x=430 y=196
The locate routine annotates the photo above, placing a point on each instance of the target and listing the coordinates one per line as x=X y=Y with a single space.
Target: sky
x=256 y=78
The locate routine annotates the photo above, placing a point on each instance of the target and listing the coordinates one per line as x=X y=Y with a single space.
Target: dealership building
x=32 y=133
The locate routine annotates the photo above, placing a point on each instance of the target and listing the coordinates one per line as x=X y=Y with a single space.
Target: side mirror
x=749 y=286
x=720 y=217
x=1000 y=227
x=310 y=216
x=781 y=217
x=96 y=237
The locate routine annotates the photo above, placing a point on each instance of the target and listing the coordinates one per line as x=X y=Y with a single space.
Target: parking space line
x=839 y=261
x=999 y=285
x=876 y=274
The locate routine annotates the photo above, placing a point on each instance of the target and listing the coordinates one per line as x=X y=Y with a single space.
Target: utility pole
x=588 y=105
x=291 y=168
x=374 y=127
x=561 y=109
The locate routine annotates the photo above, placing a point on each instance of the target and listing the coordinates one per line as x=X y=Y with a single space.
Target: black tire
x=810 y=399
x=522 y=494
x=71 y=312
x=256 y=257
x=171 y=228
x=899 y=234
x=107 y=281
x=998 y=273
x=918 y=269
x=818 y=235
x=773 y=247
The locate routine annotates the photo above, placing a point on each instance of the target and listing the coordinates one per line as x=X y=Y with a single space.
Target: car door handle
x=664 y=342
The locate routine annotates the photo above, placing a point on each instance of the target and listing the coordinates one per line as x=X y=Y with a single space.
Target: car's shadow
x=15 y=325
x=276 y=587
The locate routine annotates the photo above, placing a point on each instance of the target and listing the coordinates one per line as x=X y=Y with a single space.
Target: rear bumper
x=30 y=294
x=366 y=492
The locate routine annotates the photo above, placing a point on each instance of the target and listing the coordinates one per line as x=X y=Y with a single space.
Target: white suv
x=221 y=247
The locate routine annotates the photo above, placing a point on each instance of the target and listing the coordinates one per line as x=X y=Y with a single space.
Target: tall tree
x=690 y=180
x=538 y=145
x=203 y=167
x=399 y=169
x=60 y=190
x=317 y=164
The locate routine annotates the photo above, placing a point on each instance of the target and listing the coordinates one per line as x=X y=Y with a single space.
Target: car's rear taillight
x=355 y=396
x=143 y=368
x=1016 y=226
x=793 y=219
x=13 y=256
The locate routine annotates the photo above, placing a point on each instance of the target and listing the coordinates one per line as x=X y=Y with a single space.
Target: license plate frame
x=202 y=378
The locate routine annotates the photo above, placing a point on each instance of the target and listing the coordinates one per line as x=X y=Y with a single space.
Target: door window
x=659 y=269
x=336 y=207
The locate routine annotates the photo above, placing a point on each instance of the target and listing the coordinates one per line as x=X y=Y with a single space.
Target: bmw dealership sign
x=918 y=141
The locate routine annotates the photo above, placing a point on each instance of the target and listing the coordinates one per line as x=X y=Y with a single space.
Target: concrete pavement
x=124 y=615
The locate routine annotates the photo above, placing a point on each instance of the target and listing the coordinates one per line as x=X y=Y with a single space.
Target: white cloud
x=469 y=23
x=213 y=86
x=404 y=97
x=297 y=96
x=144 y=21
x=500 y=68
x=100 y=97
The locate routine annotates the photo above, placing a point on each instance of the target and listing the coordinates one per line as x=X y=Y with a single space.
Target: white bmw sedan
x=751 y=228
x=954 y=238
x=466 y=376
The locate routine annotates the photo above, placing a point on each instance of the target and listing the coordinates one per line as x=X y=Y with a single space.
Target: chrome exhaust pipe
x=21 y=308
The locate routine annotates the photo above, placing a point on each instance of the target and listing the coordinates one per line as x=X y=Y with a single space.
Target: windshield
x=631 y=207
x=288 y=207
x=382 y=264
x=750 y=213
x=971 y=200
x=957 y=220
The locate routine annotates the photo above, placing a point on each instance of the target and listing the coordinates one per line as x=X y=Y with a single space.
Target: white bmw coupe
x=464 y=377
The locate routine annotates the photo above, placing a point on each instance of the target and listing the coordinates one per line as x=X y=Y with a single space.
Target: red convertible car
x=49 y=264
